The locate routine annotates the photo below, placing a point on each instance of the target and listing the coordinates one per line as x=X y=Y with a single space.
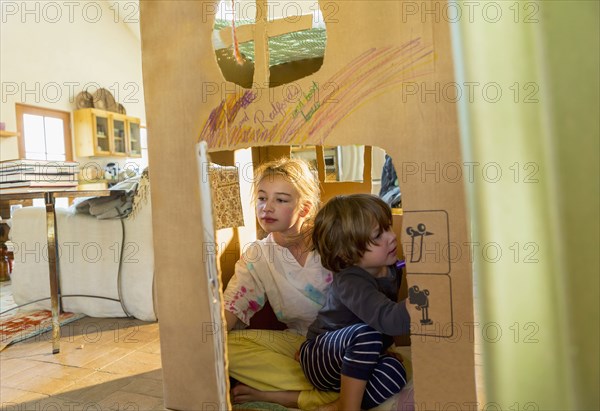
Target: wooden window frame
x=260 y=32
x=65 y=116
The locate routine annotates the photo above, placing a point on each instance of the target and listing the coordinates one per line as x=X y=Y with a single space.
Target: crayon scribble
x=376 y=71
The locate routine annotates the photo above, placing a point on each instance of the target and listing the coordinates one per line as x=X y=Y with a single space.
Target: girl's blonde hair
x=300 y=175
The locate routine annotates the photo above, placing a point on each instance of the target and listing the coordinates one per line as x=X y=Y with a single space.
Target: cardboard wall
x=364 y=93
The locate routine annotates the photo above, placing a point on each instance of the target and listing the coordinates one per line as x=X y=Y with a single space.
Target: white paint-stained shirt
x=268 y=271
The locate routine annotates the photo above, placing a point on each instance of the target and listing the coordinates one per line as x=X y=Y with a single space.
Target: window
x=44 y=134
x=290 y=41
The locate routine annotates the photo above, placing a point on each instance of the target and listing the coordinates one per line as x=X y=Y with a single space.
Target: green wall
x=542 y=133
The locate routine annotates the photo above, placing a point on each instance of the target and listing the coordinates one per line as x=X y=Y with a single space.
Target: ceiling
x=128 y=14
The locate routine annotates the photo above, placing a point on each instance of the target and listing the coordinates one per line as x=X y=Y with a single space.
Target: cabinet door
x=119 y=136
x=135 y=144
x=101 y=133
x=105 y=134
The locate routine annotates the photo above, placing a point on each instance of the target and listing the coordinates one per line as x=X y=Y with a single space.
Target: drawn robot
x=421 y=300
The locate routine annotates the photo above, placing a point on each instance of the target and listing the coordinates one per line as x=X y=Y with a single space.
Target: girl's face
x=277 y=206
x=381 y=253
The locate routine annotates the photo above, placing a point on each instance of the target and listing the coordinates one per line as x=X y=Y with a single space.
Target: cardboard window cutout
x=286 y=38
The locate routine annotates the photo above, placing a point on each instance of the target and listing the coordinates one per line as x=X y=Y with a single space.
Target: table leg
x=4 y=264
x=4 y=229
x=53 y=267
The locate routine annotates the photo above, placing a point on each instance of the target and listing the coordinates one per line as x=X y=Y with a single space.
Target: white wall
x=50 y=50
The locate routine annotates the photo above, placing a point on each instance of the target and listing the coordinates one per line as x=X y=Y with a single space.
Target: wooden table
x=49 y=198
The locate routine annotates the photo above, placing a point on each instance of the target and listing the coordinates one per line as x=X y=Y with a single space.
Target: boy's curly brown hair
x=343 y=228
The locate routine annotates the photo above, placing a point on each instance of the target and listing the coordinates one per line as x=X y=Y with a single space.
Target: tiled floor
x=103 y=364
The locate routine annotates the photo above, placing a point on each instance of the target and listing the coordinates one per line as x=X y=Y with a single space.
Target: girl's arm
x=245 y=293
x=231 y=320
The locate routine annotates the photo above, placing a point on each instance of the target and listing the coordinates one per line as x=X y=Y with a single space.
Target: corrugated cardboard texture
x=379 y=63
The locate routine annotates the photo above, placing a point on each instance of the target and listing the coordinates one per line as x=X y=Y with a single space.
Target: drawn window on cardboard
x=288 y=38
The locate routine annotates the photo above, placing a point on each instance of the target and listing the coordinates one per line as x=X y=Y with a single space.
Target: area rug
x=27 y=324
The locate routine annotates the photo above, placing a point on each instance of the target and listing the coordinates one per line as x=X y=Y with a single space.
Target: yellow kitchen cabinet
x=101 y=133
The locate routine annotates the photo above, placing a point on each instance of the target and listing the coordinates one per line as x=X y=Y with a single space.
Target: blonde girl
x=281 y=269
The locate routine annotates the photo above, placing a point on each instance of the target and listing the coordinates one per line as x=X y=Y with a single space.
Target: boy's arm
x=372 y=306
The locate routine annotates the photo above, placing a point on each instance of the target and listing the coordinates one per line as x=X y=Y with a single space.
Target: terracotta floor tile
x=61 y=371
x=27 y=348
x=122 y=400
x=13 y=366
x=135 y=363
x=42 y=384
x=11 y=397
x=95 y=387
x=145 y=386
x=154 y=375
x=146 y=357
x=107 y=357
x=102 y=361
x=75 y=355
x=59 y=403
x=152 y=347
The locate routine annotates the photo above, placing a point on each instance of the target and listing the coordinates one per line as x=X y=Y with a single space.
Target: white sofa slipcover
x=89 y=261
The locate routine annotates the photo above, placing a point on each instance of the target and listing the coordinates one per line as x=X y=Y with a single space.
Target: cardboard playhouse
x=378 y=61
